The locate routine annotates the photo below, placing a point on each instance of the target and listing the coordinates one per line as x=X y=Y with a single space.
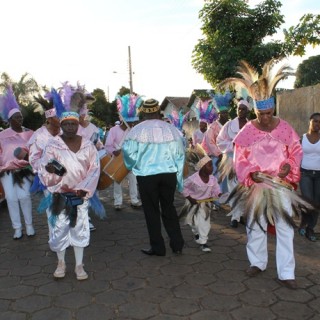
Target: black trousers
x=157 y=191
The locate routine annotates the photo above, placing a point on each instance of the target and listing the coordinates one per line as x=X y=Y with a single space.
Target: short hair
x=315 y=114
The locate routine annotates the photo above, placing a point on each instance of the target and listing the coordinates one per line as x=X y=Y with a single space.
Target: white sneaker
x=204 y=247
x=17 y=234
x=61 y=270
x=136 y=205
x=30 y=230
x=80 y=273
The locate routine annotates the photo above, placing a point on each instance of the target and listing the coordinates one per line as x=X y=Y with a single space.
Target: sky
x=88 y=40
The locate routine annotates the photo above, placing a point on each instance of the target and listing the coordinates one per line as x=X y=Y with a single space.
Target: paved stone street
x=125 y=284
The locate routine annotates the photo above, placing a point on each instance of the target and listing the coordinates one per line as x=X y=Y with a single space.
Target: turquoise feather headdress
x=128 y=106
x=205 y=111
x=178 y=118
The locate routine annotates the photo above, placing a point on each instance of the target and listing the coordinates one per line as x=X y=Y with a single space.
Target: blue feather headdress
x=222 y=101
x=57 y=101
x=206 y=111
x=8 y=104
x=128 y=106
x=178 y=118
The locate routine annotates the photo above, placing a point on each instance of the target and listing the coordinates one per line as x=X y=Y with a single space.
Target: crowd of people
x=235 y=158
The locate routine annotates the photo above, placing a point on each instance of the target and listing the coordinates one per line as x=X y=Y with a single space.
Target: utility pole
x=130 y=71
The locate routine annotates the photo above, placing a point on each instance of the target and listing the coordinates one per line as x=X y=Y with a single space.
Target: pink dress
x=9 y=141
x=209 y=142
x=263 y=151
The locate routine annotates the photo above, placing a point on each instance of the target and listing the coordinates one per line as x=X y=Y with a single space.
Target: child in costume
x=200 y=189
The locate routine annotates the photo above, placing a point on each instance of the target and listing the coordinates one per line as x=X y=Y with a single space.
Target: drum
x=274 y=181
x=104 y=180
x=116 y=168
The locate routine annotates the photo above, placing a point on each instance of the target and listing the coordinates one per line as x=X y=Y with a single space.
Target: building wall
x=296 y=106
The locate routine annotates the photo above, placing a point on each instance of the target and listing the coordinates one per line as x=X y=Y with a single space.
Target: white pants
x=17 y=197
x=61 y=236
x=257 y=250
x=133 y=190
x=199 y=224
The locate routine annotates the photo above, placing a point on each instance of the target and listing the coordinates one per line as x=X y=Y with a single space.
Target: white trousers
x=199 y=224
x=257 y=250
x=17 y=197
x=133 y=190
x=61 y=236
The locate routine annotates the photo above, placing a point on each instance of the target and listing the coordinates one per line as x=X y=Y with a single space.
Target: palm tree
x=24 y=89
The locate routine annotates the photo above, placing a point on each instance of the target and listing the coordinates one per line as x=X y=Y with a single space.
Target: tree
x=308 y=72
x=24 y=90
x=123 y=91
x=233 y=31
x=104 y=112
x=306 y=32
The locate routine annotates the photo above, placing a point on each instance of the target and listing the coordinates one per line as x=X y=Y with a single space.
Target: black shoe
x=177 y=252
x=151 y=252
x=234 y=224
x=196 y=237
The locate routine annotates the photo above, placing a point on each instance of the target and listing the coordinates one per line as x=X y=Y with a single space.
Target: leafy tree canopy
x=104 y=112
x=308 y=72
x=233 y=31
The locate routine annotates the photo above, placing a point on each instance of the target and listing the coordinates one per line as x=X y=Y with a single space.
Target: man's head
x=203 y=126
x=223 y=116
x=150 y=109
x=243 y=108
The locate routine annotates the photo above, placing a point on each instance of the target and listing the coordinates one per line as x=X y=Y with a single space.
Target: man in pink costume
x=15 y=172
x=80 y=159
x=271 y=146
x=40 y=137
x=87 y=129
x=127 y=106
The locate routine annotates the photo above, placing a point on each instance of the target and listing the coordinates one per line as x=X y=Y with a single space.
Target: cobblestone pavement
x=125 y=284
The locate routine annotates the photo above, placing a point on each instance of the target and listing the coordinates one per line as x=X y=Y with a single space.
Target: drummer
x=127 y=107
x=269 y=145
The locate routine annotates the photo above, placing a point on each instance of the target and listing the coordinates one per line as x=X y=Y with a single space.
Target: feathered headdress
x=206 y=111
x=73 y=97
x=222 y=101
x=8 y=104
x=47 y=105
x=178 y=118
x=197 y=157
x=260 y=87
x=128 y=106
